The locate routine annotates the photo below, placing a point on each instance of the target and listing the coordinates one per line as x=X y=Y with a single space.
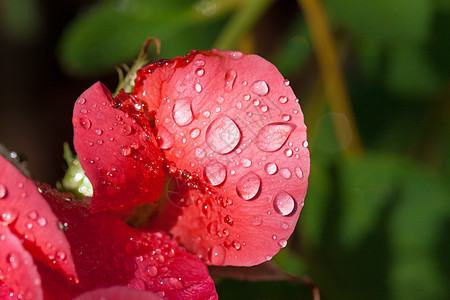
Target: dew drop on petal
x=194 y=133
x=85 y=123
x=3 y=191
x=282 y=99
x=200 y=152
x=230 y=78
x=98 y=131
x=81 y=101
x=305 y=144
x=182 y=112
x=215 y=173
x=257 y=220
x=246 y=162
x=223 y=135
x=260 y=88
x=198 y=87
x=199 y=72
x=282 y=243
x=42 y=222
x=165 y=138
x=288 y=152
x=13 y=260
x=286 y=117
x=126 y=129
x=286 y=82
x=199 y=62
x=125 y=150
x=273 y=136
x=271 y=168
x=235 y=55
x=248 y=186
x=285 y=173
x=298 y=172
x=283 y=203
x=216 y=255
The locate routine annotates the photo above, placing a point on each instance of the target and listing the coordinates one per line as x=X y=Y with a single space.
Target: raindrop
x=199 y=63
x=264 y=108
x=285 y=173
x=286 y=82
x=200 y=152
x=236 y=245
x=194 y=133
x=248 y=186
x=33 y=215
x=126 y=129
x=283 y=203
x=182 y=112
x=230 y=77
x=199 y=72
x=244 y=82
x=298 y=172
x=247 y=97
x=206 y=114
x=212 y=227
x=286 y=117
x=217 y=255
x=165 y=138
x=223 y=135
x=271 y=168
x=257 y=220
x=42 y=222
x=13 y=260
x=228 y=219
x=3 y=191
x=246 y=162
x=100 y=142
x=274 y=237
x=215 y=173
x=305 y=144
x=81 y=101
x=125 y=150
x=282 y=99
x=235 y=55
x=256 y=102
x=198 y=87
x=273 y=136
x=61 y=255
x=282 y=243
x=239 y=105
x=220 y=99
x=7 y=217
x=288 y=152
x=85 y=123
x=98 y=131
x=83 y=111
x=260 y=88
x=285 y=226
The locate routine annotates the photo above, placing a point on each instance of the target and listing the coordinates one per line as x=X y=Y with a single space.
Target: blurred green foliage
x=375 y=225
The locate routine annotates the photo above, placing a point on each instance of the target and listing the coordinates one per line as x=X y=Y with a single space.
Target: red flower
x=230 y=134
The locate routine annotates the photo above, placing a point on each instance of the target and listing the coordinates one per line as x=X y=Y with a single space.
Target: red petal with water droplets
x=119 y=157
x=17 y=269
x=238 y=141
x=107 y=253
x=118 y=293
x=28 y=215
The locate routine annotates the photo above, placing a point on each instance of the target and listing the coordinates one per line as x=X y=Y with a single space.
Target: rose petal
x=119 y=157
x=118 y=293
x=17 y=269
x=243 y=152
x=28 y=215
x=109 y=253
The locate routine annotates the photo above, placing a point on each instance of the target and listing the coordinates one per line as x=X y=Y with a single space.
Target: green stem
x=245 y=18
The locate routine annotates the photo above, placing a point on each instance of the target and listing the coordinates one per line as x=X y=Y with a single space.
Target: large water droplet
x=81 y=101
x=182 y=112
x=271 y=168
x=248 y=186
x=200 y=72
x=285 y=173
x=283 y=99
x=125 y=150
x=260 y=88
x=151 y=271
x=3 y=191
x=126 y=129
x=165 y=138
x=230 y=78
x=215 y=173
x=283 y=203
x=246 y=162
x=223 y=135
x=98 y=131
x=194 y=133
x=282 y=243
x=298 y=172
x=273 y=136
x=216 y=255
x=198 y=87
x=235 y=55
x=85 y=123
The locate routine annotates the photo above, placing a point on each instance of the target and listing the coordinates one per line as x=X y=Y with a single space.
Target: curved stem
x=339 y=100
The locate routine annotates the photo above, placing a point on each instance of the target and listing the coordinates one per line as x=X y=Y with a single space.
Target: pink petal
x=119 y=157
x=108 y=253
x=17 y=269
x=118 y=293
x=239 y=143
x=27 y=214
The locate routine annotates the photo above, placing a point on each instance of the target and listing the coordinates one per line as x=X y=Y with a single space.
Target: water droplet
x=200 y=152
x=165 y=138
x=198 y=87
x=33 y=215
x=286 y=82
x=125 y=150
x=100 y=142
x=98 y=131
x=244 y=82
x=199 y=63
x=285 y=173
x=61 y=255
x=200 y=72
x=223 y=135
x=127 y=129
x=264 y=108
x=288 y=152
x=283 y=99
x=42 y=222
x=271 y=168
x=215 y=173
x=151 y=270
x=194 y=133
x=248 y=186
x=83 y=111
x=220 y=99
x=85 y=123
x=286 y=117
x=246 y=162
x=274 y=237
x=182 y=112
x=3 y=191
x=298 y=172
x=239 y=105
x=216 y=255
x=283 y=203
x=260 y=88
x=256 y=102
x=7 y=217
x=81 y=101
x=235 y=55
x=257 y=220
x=273 y=136
x=247 y=97
x=13 y=260
x=228 y=219
x=230 y=77
x=282 y=243
x=305 y=144
x=206 y=114
x=285 y=226
x=236 y=245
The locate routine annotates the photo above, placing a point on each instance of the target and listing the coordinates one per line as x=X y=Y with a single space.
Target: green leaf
x=112 y=32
